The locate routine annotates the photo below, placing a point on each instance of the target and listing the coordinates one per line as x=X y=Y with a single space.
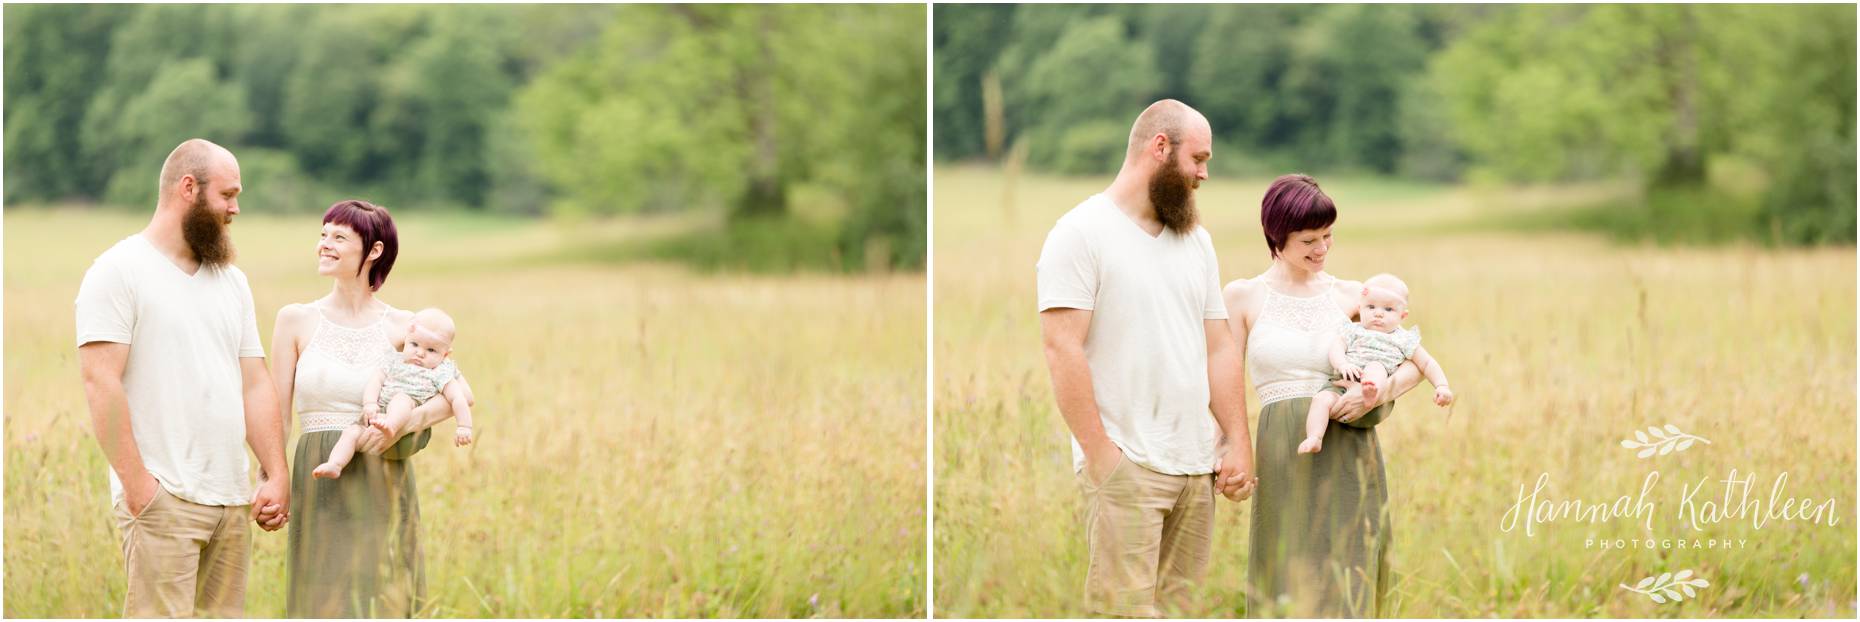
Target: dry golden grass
x=1559 y=346
x=653 y=442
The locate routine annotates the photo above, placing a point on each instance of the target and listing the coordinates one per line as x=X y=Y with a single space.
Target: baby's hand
x=370 y=412
x=1350 y=372
x=462 y=436
x=1443 y=396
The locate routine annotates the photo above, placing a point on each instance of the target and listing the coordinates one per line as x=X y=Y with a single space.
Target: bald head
x=196 y=158
x=1388 y=282
x=437 y=321
x=1172 y=119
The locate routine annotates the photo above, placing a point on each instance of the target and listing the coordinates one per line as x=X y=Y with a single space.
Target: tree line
x=528 y=109
x=1662 y=94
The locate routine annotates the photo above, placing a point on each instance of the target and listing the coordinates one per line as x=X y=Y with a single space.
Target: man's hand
x=139 y=492
x=271 y=503
x=1233 y=473
x=1100 y=460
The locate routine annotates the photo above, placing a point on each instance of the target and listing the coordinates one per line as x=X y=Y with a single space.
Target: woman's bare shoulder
x=1243 y=295
x=296 y=315
x=397 y=316
x=1348 y=295
x=1242 y=289
x=1347 y=286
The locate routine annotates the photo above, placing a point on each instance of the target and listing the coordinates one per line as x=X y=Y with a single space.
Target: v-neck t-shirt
x=183 y=381
x=1147 y=345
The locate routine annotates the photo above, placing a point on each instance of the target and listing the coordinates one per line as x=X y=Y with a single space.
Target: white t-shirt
x=185 y=391
x=1147 y=346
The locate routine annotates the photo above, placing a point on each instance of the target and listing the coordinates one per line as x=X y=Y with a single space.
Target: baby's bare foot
x=382 y=424
x=327 y=470
x=1311 y=446
x=1371 y=392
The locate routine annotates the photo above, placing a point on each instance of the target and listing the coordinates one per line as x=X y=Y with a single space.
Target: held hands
x=271 y=503
x=462 y=436
x=1233 y=473
x=1443 y=396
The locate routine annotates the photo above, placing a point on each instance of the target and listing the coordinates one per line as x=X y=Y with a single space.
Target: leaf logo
x=1661 y=441
x=1669 y=586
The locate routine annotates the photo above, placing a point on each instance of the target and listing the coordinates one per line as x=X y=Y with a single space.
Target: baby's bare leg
x=340 y=455
x=1375 y=378
x=1316 y=421
x=399 y=414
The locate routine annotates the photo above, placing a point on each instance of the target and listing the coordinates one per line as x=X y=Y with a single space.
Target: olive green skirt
x=1320 y=534
x=354 y=541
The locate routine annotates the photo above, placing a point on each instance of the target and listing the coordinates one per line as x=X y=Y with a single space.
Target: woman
x=1320 y=531
x=354 y=544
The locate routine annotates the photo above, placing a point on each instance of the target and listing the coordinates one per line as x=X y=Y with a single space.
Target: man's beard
x=205 y=233
x=1172 y=194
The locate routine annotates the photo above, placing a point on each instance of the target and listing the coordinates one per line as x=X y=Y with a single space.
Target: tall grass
x=1559 y=346
x=653 y=442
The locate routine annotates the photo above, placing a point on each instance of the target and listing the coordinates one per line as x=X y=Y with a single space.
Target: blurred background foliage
x=798 y=129
x=1734 y=122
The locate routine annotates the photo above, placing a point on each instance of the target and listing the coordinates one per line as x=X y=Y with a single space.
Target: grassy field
x=1559 y=345
x=653 y=442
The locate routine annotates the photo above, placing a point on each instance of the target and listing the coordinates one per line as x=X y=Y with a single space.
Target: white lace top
x=1288 y=347
x=333 y=371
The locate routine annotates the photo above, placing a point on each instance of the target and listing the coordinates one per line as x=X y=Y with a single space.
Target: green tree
x=966 y=42
x=184 y=99
x=54 y=54
x=650 y=118
x=1094 y=72
x=444 y=93
x=1658 y=93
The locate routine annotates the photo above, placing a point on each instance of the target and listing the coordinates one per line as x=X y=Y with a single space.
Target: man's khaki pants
x=184 y=559
x=1151 y=536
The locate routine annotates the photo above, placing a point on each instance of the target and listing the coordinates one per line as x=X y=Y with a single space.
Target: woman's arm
x=1238 y=296
x=435 y=410
x=1351 y=407
x=284 y=352
x=426 y=415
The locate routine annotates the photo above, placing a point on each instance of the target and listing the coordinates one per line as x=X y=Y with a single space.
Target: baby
x=423 y=369
x=1368 y=350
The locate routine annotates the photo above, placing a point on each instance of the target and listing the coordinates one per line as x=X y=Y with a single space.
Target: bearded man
x=175 y=377
x=1145 y=369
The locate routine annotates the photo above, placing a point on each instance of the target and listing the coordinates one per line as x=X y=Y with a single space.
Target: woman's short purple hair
x=373 y=224
x=1293 y=203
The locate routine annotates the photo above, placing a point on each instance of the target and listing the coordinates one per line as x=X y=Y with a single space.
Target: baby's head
x=1385 y=303
x=429 y=338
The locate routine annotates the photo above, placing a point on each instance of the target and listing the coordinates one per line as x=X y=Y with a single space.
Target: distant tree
x=1054 y=97
x=184 y=99
x=54 y=54
x=1657 y=93
x=966 y=42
